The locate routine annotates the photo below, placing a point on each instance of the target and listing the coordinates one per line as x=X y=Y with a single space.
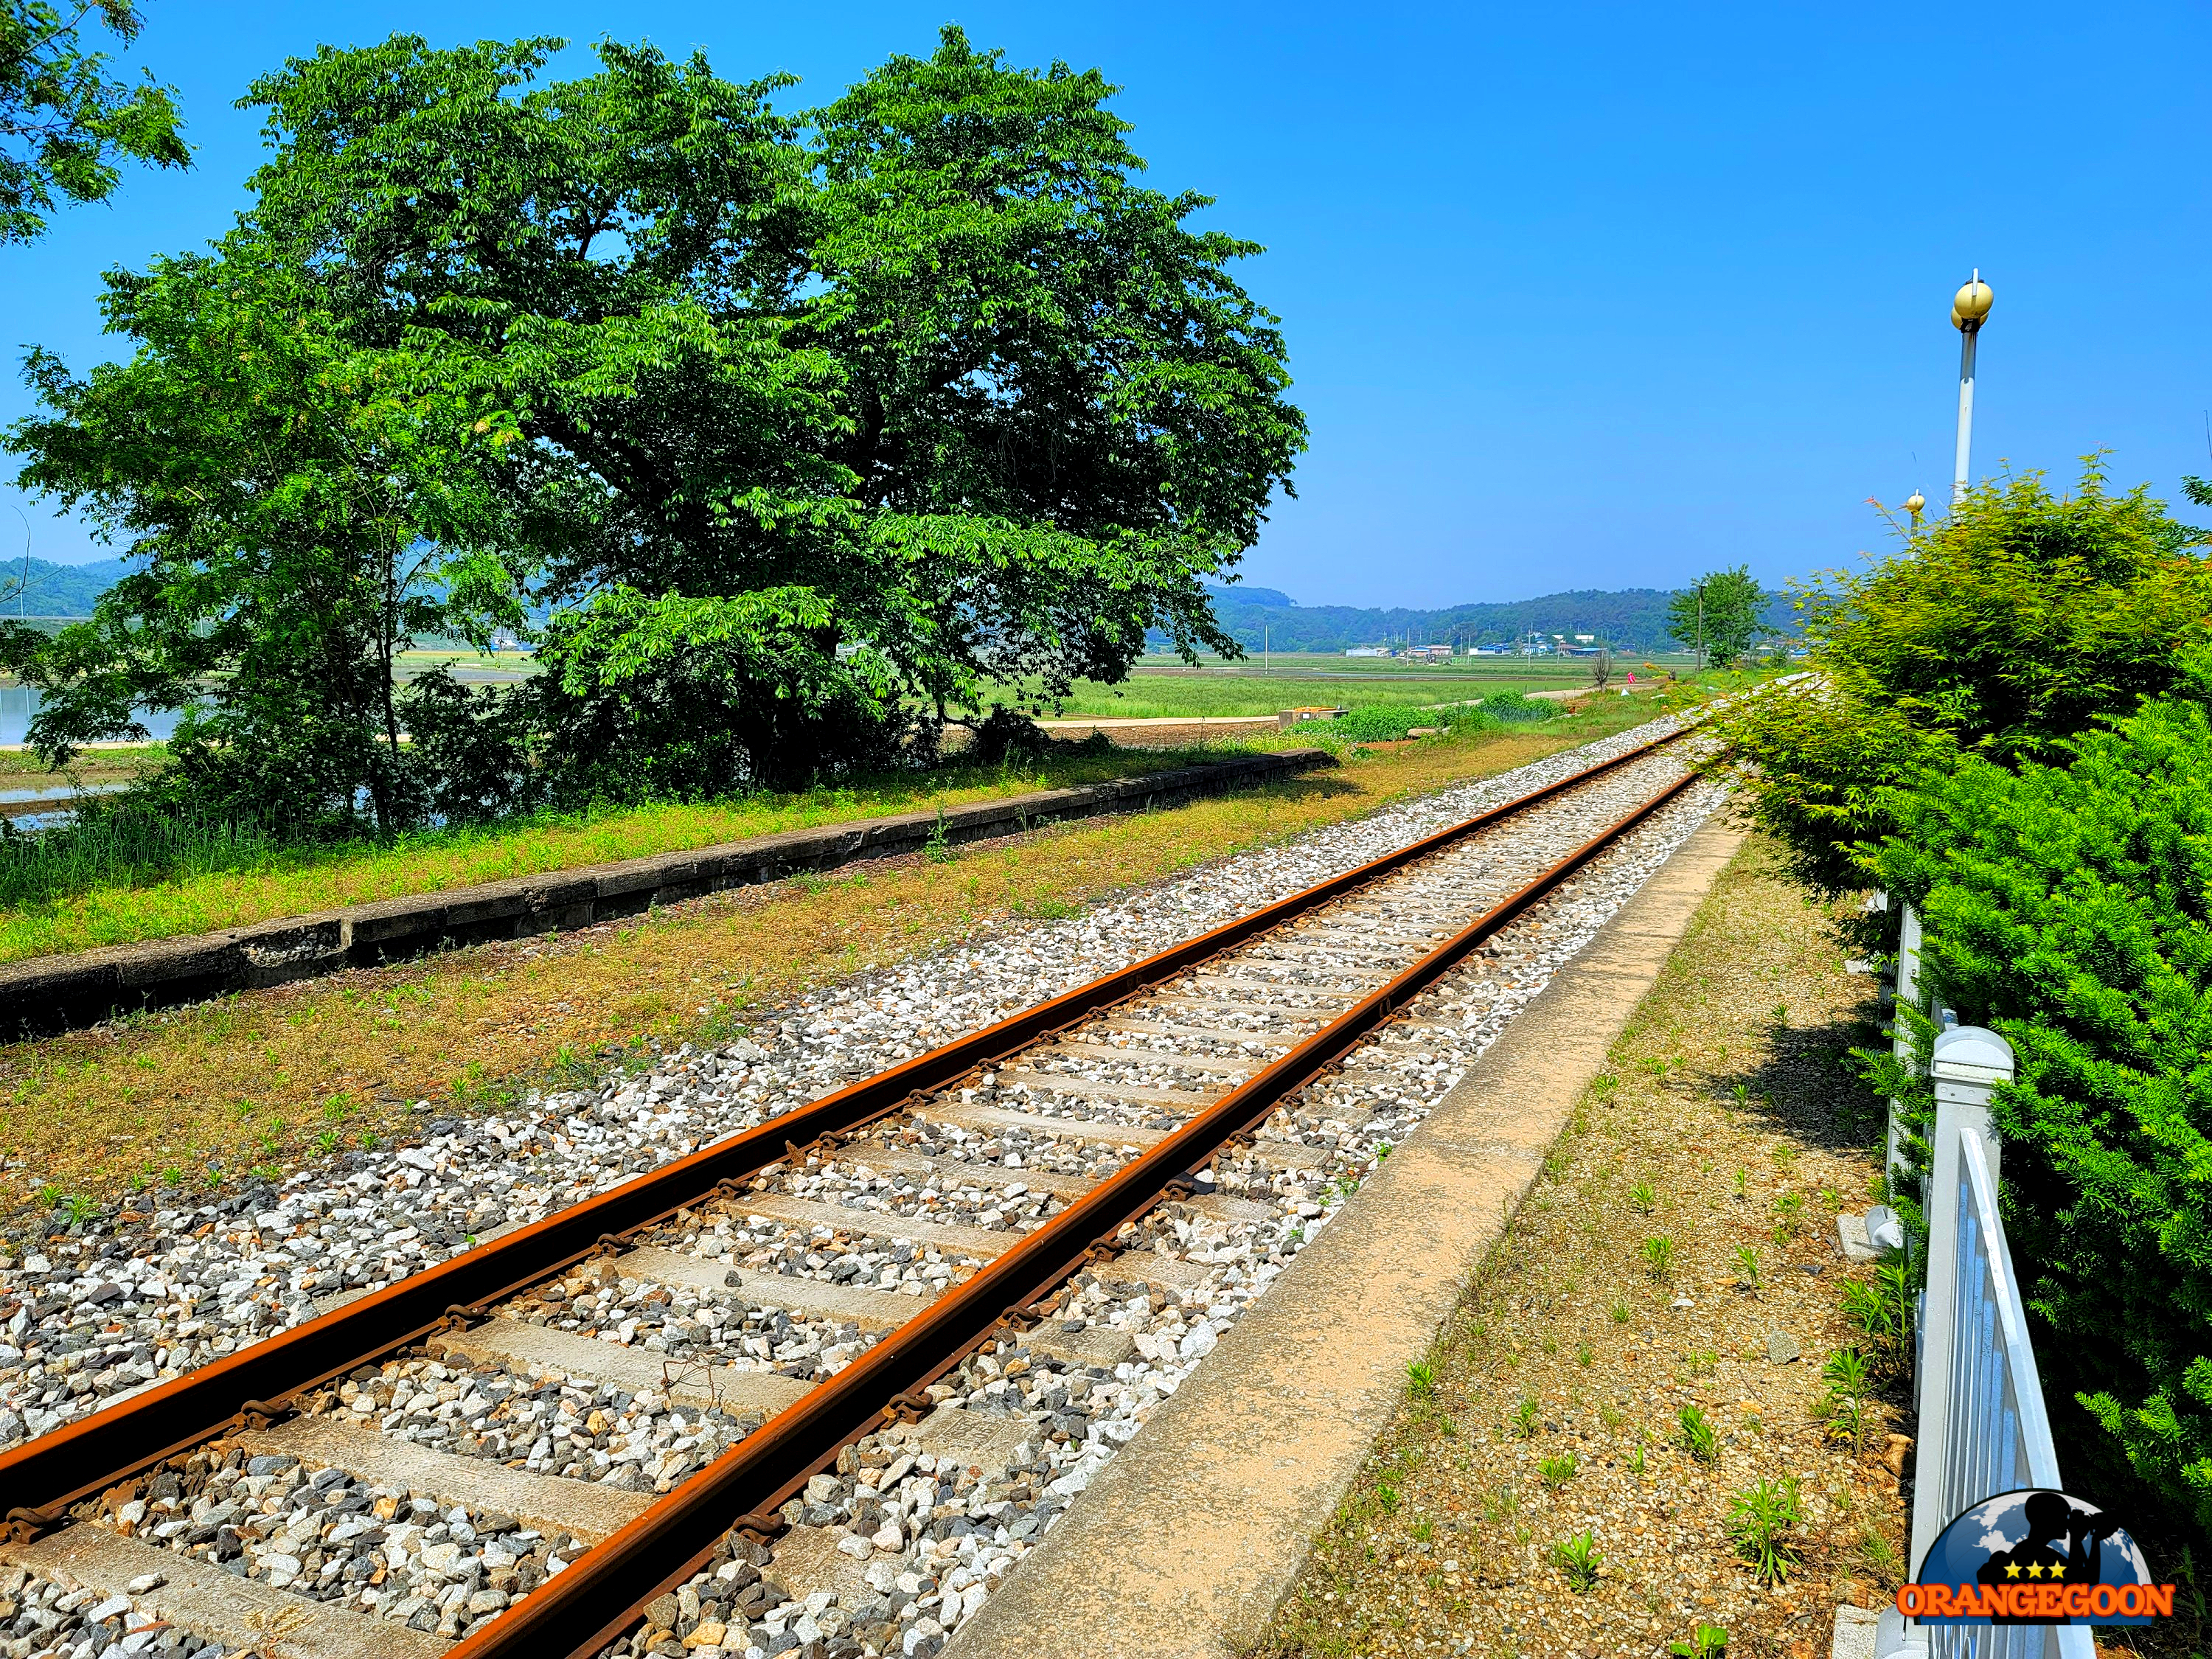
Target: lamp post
x=1970 y=309
x=1913 y=504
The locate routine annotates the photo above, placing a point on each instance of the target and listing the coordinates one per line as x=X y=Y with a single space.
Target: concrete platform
x=238 y=1613
x=1185 y=1544
x=583 y=1509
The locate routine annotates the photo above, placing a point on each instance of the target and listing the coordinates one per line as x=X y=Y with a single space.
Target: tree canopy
x=64 y=121
x=807 y=418
x=1720 y=611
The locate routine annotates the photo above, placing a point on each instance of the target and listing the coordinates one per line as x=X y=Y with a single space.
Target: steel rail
x=597 y=1597
x=41 y=1478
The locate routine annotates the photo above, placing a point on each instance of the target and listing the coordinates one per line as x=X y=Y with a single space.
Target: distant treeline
x=35 y=587
x=1634 y=619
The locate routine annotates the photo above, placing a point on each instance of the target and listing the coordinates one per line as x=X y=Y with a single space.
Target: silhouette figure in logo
x=2034 y=1560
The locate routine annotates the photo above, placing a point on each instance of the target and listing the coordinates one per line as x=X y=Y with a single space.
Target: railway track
x=1040 y=1210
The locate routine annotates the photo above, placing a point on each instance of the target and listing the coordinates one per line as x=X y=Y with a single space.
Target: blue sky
x=1578 y=296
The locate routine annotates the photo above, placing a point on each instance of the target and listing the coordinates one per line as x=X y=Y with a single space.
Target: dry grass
x=1554 y=1408
x=267 y=1078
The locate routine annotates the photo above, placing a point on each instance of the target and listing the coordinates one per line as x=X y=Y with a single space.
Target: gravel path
x=110 y=1303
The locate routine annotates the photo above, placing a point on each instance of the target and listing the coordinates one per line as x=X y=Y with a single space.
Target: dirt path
x=1554 y=1406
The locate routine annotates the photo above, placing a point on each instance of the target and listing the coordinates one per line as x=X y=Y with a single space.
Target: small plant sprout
x=1619 y=1313
x=1557 y=1471
x=1643 y=1198
x=1524 y=1417
x=1706 y=1642
x=1742 y=1182
x=1636 y=1460
x=1421 y=1379
x=1578 y=1558
x=1696 y=1436
x=1701 y=1361
x=1659 y=1256
x=1743 y=1094
x=1845 y=1407
x=1584 y=1357
x=938 y=849
x=1746 y=1267
x=1760 y=1520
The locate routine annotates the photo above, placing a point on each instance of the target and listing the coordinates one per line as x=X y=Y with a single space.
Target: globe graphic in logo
x=2049 y=1553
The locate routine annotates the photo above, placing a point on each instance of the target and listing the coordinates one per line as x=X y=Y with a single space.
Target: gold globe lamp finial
x=1970 y=306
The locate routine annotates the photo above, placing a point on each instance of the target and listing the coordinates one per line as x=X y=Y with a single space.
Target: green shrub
x=2004 y=628
x=2070 y=908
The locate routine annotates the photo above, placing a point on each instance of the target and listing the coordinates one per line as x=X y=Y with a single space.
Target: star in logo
x=2012 y=1569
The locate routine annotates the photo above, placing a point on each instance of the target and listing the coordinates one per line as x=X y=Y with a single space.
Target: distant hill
x=55 y=590
x=1633 y=619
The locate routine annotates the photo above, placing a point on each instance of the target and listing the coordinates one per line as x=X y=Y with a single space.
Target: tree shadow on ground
x=1806 y=1083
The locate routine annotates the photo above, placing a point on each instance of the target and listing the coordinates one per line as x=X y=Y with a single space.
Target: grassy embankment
x=113 y=894
x=1579 y=1459
x=82 y=891
x=272 y=1078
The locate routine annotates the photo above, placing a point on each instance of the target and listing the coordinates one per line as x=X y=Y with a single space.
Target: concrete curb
x=1185 y=1544
x=46 y=994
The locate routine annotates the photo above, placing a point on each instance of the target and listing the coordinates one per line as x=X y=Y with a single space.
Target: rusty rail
x=599 y=1596
x=42 y=1478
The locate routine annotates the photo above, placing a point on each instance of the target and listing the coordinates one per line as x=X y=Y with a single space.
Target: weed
x=1502 y=1505
x=1584 y=1357
x=1845 y=1407
x=1610 y=1416
x=1758 y=1521
x=1659 y=1255
x=1604 y=1084
x=1643 y=1198
x=1557 y=1471
x=1421 y=1379
x=938 y=849
x=1524 y=1417
x=1577 y=1557
x=1747 y=1266
x=1619 y=1313
x=1791 y=1208
x=1743 y=1094
x=1636 y=1460
x=172 y=1176
x=1701 y=1361
x=1706 y=1642
x=1697 y=1435
x=81 y=1208
x=1422 y=1531
x=327 y=1142
x=1386 y=1497
x=1742 y=1182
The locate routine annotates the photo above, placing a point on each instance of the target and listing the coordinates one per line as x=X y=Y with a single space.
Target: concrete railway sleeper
x=1040 y=1212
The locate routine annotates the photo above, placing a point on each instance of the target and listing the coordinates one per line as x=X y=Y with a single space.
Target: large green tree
x=64 y=121
x=926 y=364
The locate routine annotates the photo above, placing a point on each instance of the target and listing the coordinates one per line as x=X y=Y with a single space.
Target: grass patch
x=87 y=1110
x=1738 y=1500
x=124 y=879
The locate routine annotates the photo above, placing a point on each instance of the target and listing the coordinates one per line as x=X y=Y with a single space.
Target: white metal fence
x=1983 y=1426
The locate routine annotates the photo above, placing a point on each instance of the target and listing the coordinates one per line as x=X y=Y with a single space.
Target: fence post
x=1967 y=1066
x=1895 y=1166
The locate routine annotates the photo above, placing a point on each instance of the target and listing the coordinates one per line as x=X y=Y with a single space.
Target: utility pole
x=1970 y=309
x=1701 y=624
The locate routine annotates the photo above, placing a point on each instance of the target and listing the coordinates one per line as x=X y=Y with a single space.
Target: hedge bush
x=2070 y=908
